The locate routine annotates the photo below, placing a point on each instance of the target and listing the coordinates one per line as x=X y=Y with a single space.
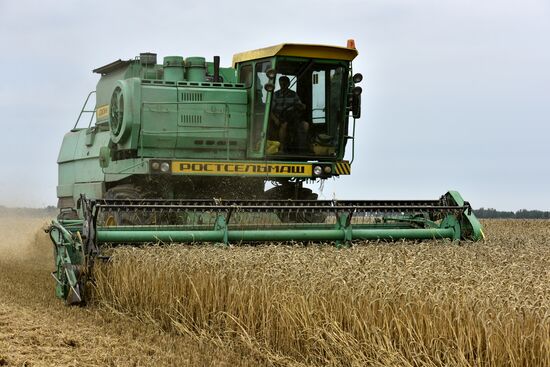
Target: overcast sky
x=456 y=93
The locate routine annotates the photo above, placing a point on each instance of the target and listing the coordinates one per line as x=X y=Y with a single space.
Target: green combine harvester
x=183 y=151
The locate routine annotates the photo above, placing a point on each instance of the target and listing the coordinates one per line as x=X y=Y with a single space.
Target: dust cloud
x=23 y=237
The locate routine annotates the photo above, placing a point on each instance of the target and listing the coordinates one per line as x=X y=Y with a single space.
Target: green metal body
x=187 y=110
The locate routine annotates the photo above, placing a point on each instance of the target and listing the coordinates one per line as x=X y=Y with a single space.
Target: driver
x=285 y=99
x=286 y=107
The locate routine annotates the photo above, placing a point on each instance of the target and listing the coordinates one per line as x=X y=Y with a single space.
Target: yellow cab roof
x=298 y=50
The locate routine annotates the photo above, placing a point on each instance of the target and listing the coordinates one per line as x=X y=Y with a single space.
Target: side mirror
x=271 y=73
x=270 y=87
x=357 y=78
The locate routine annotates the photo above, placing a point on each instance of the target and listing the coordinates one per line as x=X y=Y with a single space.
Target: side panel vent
x=191 y=97
x=191 y=119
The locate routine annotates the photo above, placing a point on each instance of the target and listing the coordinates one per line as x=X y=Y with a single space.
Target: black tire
x=125 y=191
x=288 y=192
x=129 y=218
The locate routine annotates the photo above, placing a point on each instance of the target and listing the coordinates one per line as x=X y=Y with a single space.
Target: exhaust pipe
x=216 y=68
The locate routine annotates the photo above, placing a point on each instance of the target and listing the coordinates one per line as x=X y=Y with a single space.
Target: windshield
x=307 y=109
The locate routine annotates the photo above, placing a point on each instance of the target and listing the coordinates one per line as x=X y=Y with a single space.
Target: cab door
x=253 y=75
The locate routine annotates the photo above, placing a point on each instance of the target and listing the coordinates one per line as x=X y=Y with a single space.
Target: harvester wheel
x=288 y=192
x=125 y=191
x=131 y=218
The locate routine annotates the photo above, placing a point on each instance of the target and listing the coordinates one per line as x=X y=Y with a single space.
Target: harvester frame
x=181 y=152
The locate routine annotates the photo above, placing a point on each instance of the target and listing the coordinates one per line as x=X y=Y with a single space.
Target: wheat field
x=432 y=303
x=38 y=330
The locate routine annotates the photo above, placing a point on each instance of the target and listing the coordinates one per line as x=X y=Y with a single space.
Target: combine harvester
x=182 y=151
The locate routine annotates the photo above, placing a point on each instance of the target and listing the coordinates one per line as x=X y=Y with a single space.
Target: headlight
x=328 y=169
x=165 y=167
x=155 y=166
x=317 y=170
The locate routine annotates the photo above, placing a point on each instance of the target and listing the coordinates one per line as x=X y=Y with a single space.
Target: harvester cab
x=300 y=98
x=182 y=152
